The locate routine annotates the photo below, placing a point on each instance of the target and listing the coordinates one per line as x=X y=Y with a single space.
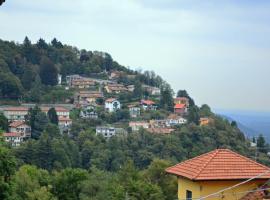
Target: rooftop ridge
x=219 y=164
x=190 y=159
x=205 y=165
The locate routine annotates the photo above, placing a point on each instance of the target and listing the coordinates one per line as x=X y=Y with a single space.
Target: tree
x=166 y=99
x=7 y=168
x=193 y=115
x=28 y=77
x=48 y=72
x=183 y=93
x=67 y=183
x=205 y=111
x=261 y=144
x=37 y=120
x=57 y=44
x=156 y=174
x=3 y=122
x=30 y=181
x=35 y=92
x=41 y=44
x=52 y=115
x=10 y=85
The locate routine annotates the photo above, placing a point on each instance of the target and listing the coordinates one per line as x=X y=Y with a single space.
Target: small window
x=188 y=195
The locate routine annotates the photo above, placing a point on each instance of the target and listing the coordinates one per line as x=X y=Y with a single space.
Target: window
x=188 y=195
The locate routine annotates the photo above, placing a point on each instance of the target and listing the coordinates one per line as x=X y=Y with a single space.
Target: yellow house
x=218 y=170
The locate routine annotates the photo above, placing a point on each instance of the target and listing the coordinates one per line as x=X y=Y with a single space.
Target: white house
x=174 y=120
x=112 y=105
x=15 y=113
x=136 y=126
x=15 y=139
x=88 y=112
x=134 y=111
x=106 y=132
x=64 y=124
x=20 y=127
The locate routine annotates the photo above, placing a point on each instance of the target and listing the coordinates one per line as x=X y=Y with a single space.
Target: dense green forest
x=82 y=165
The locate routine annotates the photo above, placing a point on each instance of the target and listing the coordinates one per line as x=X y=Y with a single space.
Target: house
x=15 y=139
x=160 y=130
x=134 y=111
x=82 y=83
x=116 y=75
x=152 y=90
x=71 y=78
x=112 y=105
x=180 y=109
x=221 y=169
x=148 y=105
x=174 y=120
x=161 y=123
x=88 y=112
x=204 y=121
x=16 y=113
x=182 y=100
x=20 y=127
x=64 y=121
x=115 y=88
x=87 y=97
x=64 y=124
x=136 y=126
x=60 y=111
x=131 y=88
x=106 y=132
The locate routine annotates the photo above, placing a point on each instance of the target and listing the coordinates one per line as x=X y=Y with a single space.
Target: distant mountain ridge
x=251 y=123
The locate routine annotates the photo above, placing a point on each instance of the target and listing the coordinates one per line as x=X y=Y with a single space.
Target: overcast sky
x=217 y=50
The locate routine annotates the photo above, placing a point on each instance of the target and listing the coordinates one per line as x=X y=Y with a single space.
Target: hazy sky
x=218 y=50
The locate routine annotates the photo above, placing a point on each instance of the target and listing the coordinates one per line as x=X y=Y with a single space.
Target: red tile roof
x=220 y=164
x=12 y=134
x=15 y=124
x=60 y=118
x=57 y=109
x=110 y=100
x=147 y=102
x=179 y=106
x=18 y=108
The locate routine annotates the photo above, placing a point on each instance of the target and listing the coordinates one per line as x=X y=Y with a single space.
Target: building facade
x=218 y=170
x=106 y=132
x=21 y=128
x=112 y=105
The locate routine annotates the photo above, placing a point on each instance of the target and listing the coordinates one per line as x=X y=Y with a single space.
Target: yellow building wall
x=204 y=188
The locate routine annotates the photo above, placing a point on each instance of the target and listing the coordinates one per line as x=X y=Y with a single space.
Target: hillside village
x=75 y=124
x=95 y=97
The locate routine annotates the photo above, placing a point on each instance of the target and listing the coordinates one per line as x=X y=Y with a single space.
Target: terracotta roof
x=138 y=123
x=110 y=100
x=160 y=130
x=174 y=116
x=15 y=124
x=18 y=108
x=61 y=118
x=147 y=102
x=179 y=106
x=220 y=164
x=12 y=134
x=57 y=109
